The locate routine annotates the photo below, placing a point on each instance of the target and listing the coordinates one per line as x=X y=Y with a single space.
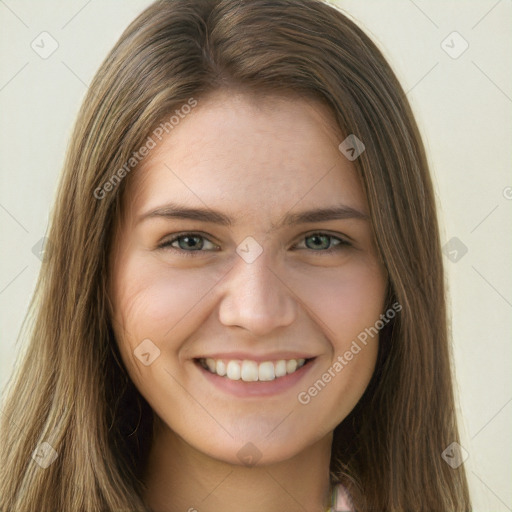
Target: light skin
x=256 y=161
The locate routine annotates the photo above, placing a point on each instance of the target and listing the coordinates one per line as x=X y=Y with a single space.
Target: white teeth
x=280 y=368
x=251 y=371
x=211 y=364
x=233 y=370
x=291 y=366
x=220 y=369
x=266 y=371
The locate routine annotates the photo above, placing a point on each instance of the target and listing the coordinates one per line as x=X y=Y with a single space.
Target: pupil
x=191 y=242
x=318 y=239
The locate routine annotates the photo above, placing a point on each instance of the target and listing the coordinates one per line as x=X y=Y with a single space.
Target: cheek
x=154 y=301
x=346 y=305
x=345 y=302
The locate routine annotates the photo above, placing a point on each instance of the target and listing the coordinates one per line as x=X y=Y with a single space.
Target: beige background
x=463 y=106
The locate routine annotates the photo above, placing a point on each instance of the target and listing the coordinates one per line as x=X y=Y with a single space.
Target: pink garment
x=342 y=501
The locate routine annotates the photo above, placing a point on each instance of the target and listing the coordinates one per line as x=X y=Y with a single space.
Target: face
x=217 y=268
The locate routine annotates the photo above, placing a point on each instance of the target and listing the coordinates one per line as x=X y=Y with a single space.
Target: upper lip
x=254 y=357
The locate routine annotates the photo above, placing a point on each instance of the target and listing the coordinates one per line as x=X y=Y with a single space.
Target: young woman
x=242 y=303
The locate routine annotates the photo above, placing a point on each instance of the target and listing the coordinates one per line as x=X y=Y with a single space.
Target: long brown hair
x=70 y=389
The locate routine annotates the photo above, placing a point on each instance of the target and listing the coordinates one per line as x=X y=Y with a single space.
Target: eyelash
x=167 y=244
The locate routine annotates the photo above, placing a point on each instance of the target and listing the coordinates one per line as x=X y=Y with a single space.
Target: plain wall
x=463 y=106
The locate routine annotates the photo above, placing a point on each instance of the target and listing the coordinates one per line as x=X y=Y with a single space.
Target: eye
x=325 y=243
x=188 y=243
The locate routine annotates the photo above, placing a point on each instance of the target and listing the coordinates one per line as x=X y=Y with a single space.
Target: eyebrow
x=176 y=211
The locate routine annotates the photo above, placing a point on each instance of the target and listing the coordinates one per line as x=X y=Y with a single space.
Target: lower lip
x=241 y=388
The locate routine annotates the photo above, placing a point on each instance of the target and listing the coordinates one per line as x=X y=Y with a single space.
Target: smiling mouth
x=252 y=371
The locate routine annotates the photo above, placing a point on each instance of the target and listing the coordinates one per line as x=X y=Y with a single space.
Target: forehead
x=250 y=157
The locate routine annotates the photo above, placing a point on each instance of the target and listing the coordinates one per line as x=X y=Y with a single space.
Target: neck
x=179 y=478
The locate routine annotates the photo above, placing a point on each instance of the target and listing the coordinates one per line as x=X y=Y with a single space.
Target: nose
x=256 y=298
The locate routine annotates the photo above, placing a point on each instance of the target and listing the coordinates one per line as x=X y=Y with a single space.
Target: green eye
x=323 y=242
x=186 y=243
x=194 y=243
x=189 y=243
